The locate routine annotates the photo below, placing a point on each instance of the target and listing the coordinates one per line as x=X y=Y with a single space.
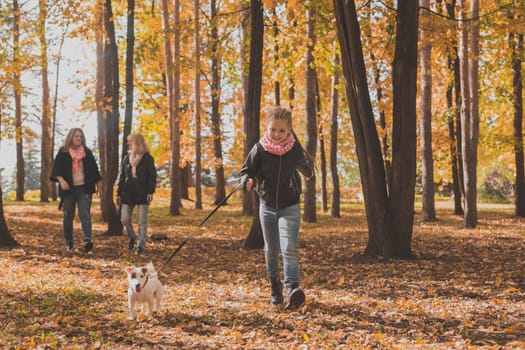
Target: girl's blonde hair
x=140 y=144
x=279 y=113
x=68 y=142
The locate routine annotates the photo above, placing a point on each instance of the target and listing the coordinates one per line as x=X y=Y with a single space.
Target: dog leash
x=202 y=223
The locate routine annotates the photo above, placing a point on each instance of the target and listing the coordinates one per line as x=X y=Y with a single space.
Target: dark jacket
x=63 y=166
x=276 y=179
x=135 y=190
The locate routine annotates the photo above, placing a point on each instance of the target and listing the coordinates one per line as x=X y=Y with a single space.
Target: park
x=464 y=288
x=374 y=148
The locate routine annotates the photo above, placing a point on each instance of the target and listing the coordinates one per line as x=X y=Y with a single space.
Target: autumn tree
x=245 y=24
x=197 y=108
x=516 y=44
x=453 y=98
x=174 y=120
x=108 y=117
x=309 y=210
x=17 y=93
x=427 y=165
x=334 y=111
x=130 y=48
x=389 y=210
x=46 y=151
x=220 y=192
x=252 y=107
x=6 y=240
x=469 y=55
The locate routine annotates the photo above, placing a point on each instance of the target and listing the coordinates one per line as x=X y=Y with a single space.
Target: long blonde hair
x=140 y=144
x=69 y=138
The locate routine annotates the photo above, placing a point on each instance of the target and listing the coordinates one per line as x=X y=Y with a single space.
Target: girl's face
x=131 y=144
x=278 y=129
x=77 y=139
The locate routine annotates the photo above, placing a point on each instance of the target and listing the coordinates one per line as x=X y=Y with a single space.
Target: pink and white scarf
x=77 y=154
x=277 y=148
x=134 y=160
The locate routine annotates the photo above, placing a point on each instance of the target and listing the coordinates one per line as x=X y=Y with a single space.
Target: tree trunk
x=322 y=154
x=185 y=181
x=130 y=48
x=469 y=108
x=46 y=152
x=220 y=185
x=52 y=184
x=404 y=139
x=17 y=92
x=427 y=164
x=368 y=147
x=247 y=199
x=175 y=171
x=336 y=194
x=516 y=43
x=454 y=118
x=309 y=210
x=198 y=167
x=99 y=96
x=6 y=240
x=376 y=67
x=253 y=106
x=172 y=111
x=276 y=84
x=473 y=57
x=390 y=220
x=110 y=125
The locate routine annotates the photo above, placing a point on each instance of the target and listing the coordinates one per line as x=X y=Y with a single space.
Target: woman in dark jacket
x=137 y=182
x=76 y=170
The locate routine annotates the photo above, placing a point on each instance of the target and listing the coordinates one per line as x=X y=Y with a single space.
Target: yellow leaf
x=511 y=290
x=340 y=281
x=306 y=337
x=511 y=329
x=378 y=336
x=141 y=317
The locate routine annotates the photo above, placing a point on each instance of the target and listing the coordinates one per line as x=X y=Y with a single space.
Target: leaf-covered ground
x=465 y=289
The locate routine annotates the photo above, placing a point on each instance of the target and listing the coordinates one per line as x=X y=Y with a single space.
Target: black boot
x=294 y=295
x=277 y=291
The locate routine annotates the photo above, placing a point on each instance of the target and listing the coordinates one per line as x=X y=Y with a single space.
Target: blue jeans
x=80 y=197
x=126 y=212
x=280 y=230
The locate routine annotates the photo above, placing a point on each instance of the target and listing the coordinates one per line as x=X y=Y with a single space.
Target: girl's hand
x=149 y=198
x=249 y=185
x=64 y=185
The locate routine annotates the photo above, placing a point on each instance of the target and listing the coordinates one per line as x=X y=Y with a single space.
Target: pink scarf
x=134 y=160
x=277 y=148
x=77 y=154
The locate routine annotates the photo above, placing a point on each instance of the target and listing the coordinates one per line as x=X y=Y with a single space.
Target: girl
x=76 y=170
x=271 y=168
x=137 y=182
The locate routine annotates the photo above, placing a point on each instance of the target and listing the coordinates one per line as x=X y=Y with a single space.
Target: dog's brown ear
x=144 y=270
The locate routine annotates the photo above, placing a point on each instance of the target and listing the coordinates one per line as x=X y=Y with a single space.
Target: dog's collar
x=147 y=279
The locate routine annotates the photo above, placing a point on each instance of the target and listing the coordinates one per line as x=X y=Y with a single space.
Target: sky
x=78 y=60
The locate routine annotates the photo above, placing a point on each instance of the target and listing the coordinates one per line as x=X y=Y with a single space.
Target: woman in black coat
x=137 y=182
x=76 y=170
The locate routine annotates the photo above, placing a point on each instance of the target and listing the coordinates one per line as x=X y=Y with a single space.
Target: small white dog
x=143 y=287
